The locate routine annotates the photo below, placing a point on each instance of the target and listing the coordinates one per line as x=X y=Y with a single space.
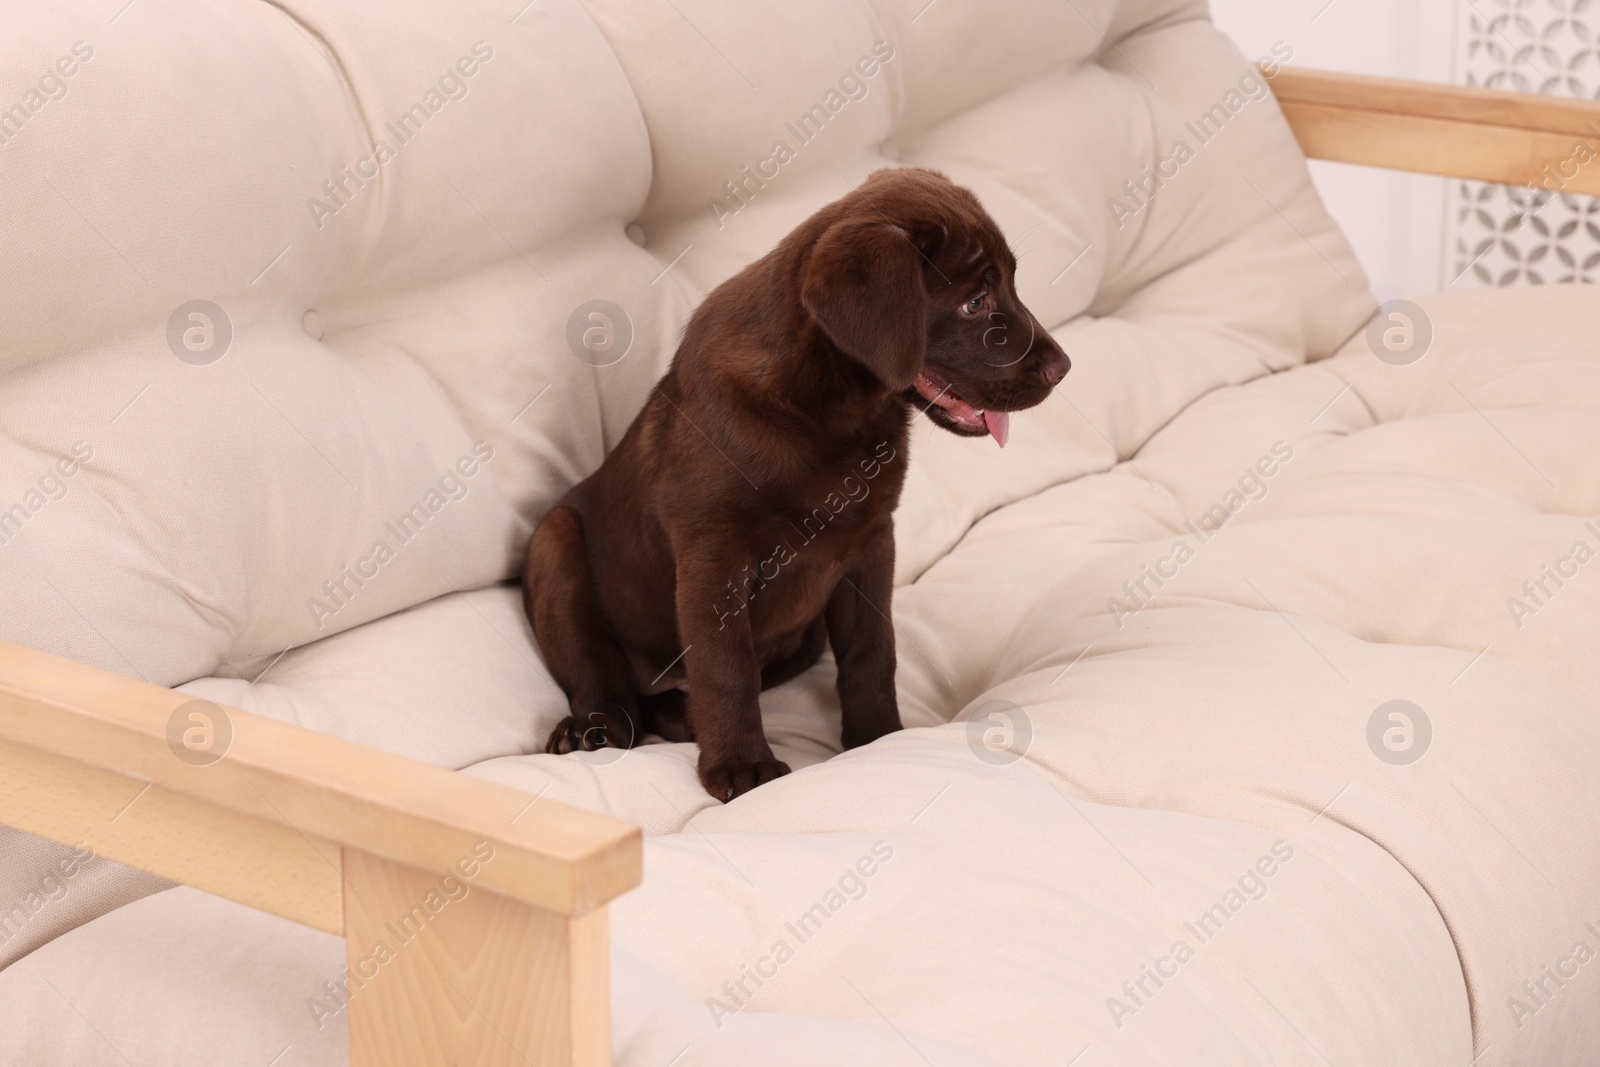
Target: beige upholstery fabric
x=400 y=347
x=46 y=888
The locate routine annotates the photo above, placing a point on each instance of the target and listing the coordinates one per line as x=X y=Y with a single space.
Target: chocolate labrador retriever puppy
x=746 y=517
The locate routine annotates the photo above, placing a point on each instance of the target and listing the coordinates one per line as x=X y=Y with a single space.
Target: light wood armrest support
x=504 y=963
x=1458 y=131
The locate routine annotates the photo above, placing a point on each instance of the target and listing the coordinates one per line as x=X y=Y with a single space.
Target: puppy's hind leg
x=667 y=715
x=585 y=660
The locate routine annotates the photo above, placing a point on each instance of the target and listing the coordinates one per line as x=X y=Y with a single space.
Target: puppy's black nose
x=1055 y=367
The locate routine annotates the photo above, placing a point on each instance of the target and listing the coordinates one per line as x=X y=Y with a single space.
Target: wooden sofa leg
x=444 y=973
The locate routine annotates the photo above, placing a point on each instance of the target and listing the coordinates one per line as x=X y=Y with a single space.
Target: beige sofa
x=1250 y=691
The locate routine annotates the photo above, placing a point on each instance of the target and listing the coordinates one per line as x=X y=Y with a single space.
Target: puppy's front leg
x=862 y=635
x=724 y=681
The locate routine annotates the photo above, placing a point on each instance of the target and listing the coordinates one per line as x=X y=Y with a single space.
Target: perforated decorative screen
x=1497 y=235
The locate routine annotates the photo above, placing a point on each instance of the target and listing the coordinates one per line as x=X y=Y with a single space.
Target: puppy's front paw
x=728 y=780
x=586 y=733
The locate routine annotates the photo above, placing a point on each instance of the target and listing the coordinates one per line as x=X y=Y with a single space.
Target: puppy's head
x=913 y=279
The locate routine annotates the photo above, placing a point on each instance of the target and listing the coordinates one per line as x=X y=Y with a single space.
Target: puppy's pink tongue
x=999 y=423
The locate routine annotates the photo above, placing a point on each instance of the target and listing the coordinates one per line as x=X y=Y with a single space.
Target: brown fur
x=746 y=518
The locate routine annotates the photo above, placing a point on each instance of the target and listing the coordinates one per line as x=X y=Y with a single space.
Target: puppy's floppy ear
x=863 y=285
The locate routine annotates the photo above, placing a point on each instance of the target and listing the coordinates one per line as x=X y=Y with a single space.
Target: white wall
x=1395 y=221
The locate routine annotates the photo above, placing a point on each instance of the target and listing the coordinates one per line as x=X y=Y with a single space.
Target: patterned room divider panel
x=1498 y=235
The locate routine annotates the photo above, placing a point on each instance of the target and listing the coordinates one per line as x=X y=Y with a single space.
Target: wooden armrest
x=1458 y=131
x=499 y=898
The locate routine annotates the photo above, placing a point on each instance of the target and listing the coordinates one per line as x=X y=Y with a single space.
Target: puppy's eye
x=975 y=305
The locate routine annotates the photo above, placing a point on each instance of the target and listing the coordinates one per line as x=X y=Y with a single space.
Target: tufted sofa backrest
x=314 y=306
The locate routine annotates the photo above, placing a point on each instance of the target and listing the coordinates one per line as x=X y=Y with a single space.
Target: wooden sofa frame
x=350 y=840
